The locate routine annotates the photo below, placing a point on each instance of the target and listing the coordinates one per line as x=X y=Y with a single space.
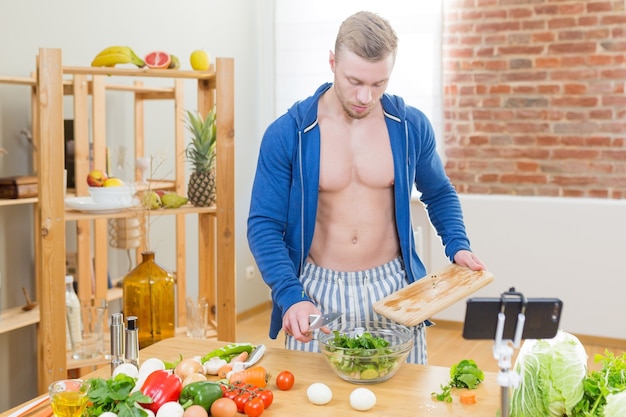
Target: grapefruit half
x=158 y=59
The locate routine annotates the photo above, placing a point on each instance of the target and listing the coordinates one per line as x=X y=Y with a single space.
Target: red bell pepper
x=162 y=387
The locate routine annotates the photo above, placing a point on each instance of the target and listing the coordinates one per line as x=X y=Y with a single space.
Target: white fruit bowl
x=122 y=195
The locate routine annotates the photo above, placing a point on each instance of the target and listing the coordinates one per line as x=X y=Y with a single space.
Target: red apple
x=96 y=178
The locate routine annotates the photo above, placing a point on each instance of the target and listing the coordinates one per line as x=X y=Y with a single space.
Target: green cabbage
x=551 y=376
x=615 y=405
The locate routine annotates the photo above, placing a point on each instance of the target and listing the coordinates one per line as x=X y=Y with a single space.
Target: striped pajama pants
x=353 y=294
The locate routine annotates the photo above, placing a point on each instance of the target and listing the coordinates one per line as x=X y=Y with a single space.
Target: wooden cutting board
x=431 y=294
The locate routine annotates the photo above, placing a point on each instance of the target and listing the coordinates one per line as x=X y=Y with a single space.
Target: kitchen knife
x=316 y=320
x=255 y=356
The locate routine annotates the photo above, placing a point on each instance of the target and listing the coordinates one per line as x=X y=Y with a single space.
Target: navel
x=354 y=240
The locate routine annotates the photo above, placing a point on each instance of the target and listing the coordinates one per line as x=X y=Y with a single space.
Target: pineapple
x=201 y=153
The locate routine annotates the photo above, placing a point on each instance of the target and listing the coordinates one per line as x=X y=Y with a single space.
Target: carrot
x=256 y=375
x=468 y=397
x=240 y=358
x=222 y=373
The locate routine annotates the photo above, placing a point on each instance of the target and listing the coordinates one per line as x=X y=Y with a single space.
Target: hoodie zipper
x=301 y=203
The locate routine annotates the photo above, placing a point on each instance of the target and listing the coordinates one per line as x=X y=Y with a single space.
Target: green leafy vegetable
x=601 y=385
x=464 y=374
x=363 y=356
x=363 y=341
x=115 y=395
x=551 y=376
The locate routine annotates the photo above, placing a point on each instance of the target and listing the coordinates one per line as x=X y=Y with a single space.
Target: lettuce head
x=615 y=405
x=551 y=376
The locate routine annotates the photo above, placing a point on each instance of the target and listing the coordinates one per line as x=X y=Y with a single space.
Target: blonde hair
x=367 y=35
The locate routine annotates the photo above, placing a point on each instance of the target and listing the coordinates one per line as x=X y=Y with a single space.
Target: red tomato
x=241 y=401
x=254 y=407
x=232 y=394
x=285 y=380
x=267 y=397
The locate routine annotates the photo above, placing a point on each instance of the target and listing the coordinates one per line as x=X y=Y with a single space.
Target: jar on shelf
x=148 y=293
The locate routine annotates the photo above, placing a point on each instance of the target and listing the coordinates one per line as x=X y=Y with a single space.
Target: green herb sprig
x=115 y=395
x=598 y=385
x=464 y=374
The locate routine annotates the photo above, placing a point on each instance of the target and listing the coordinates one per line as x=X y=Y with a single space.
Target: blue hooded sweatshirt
x=283 y=206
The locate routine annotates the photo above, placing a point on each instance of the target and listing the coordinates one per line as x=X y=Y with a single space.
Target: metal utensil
x=255 y=356
x=318 y=320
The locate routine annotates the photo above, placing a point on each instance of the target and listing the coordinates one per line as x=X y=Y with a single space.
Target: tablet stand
x=503 y=349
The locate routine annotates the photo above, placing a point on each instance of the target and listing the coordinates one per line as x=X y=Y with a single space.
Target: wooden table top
x=408 y=393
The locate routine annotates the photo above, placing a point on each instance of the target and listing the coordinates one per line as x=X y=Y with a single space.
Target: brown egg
x=196 y=411
x=224 y=407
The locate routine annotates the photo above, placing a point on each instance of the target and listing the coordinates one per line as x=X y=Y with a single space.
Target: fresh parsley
x=464 y=374
x=115 y=395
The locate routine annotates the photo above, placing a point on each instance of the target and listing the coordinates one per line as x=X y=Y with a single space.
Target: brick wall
x=534 y=98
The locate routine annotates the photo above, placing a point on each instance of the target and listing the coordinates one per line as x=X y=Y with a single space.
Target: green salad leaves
x=115 y=395
x=464 y=374
x=362 y=357
x=364 y=341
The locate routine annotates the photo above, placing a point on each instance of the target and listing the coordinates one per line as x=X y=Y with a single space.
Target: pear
x=173 y=200
x=151 y=200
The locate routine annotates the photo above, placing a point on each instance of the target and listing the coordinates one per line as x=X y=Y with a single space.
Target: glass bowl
x=343 y=350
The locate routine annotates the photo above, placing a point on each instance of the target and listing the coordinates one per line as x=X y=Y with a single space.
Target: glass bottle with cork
x=148 y=293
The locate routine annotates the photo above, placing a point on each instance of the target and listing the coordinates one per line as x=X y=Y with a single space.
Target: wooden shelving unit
x=87 y=87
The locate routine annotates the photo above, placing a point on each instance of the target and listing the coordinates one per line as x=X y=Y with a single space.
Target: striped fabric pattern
x=353 y=294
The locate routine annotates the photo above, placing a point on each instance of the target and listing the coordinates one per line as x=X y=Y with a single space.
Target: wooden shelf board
x=114 y=293
x=71 y=215
x=16 y=201
x=15 y=318
x=18 y=81
x=140 y=89
x=142 y=72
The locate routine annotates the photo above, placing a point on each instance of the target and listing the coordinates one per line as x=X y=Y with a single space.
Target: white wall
x=547 y=247
x=306 y=32
x=225 y=28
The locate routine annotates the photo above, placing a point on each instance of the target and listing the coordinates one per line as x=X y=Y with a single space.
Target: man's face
x=359 y=83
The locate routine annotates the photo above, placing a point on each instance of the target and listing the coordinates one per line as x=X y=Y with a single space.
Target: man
x=330 y=221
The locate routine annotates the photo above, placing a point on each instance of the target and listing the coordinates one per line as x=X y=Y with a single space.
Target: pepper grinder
x=117 y=340
x=132 y=341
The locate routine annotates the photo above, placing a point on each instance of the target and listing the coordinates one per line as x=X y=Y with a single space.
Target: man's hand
x=296 y=320
x=468 y=259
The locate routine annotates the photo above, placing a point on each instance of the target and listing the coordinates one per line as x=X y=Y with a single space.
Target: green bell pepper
x=202 y=393
x=229 y=351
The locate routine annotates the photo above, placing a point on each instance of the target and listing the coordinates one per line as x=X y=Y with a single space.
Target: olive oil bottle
x=149 y=294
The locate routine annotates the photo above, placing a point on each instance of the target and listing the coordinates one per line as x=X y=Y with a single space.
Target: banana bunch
x=113 y=55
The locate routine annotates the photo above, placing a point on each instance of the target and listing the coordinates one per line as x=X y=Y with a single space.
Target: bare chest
x=356 y=155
